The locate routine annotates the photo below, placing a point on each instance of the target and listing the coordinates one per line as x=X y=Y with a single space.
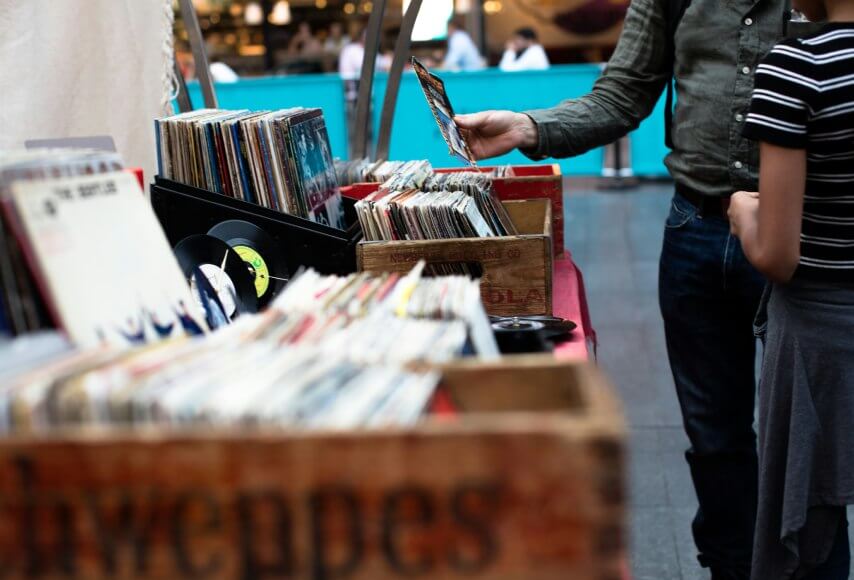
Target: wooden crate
x=528 y=182
x=525 y=483
x=531 y=182
x=517 y=270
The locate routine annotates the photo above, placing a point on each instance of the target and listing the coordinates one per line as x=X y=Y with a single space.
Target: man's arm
x=622 y=97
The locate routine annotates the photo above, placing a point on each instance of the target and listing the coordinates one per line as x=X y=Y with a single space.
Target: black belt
x=707 y=205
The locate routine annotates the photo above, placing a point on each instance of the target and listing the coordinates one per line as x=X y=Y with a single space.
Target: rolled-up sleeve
x=621 y=98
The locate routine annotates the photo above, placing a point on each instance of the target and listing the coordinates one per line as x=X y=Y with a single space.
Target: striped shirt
x=804 y=99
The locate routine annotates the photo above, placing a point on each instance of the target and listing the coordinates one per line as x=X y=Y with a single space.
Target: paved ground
x=615 y=238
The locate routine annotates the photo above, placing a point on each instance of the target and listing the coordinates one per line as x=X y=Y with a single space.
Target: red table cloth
x=569 y=301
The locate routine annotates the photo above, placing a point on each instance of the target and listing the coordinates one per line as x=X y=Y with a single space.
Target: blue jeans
x=709 y=295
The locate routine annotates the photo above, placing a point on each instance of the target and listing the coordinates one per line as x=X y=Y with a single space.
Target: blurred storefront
x=263 y=37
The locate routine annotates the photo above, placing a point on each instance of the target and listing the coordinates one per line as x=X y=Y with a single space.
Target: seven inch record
x=223 y=267
x=258 y=250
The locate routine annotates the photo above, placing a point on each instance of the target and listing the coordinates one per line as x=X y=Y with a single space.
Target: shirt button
x=746 y=70
x=738 y=165
x=739 y=118
x=748 y=21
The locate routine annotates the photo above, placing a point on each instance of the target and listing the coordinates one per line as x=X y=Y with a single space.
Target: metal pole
x=183 y=97
x=401 y=56
x=200 y=53
x=366 y=82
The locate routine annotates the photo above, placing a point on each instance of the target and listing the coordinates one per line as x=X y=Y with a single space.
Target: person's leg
x=709 y=295
x=838 y=563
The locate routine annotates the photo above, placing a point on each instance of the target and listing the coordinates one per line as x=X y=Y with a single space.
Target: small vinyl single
x=258 y=249
x=219 y=261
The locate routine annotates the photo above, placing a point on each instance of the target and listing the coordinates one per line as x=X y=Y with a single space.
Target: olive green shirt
x=718 y=45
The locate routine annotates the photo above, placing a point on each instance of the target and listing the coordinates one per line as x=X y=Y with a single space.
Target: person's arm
x=622 y=97
x=538 y=59
x=508 y=60
x=769 y=226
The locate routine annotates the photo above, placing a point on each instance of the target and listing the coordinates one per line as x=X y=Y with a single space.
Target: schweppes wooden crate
x=525 y=482
x=515 y=271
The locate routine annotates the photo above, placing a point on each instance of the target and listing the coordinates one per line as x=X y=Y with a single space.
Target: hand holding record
x=494 y=133
x=443 y=112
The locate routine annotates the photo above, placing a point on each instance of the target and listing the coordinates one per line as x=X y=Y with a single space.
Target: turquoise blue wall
x=415 y=134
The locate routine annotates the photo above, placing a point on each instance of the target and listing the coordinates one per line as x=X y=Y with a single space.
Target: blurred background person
x=350 y=68
x=351 y=58
x=305 y=52
x=462 y=52
x=304 y=43
x=220 y=72
x=524 y=52
x=333 y=44
x=336 y=40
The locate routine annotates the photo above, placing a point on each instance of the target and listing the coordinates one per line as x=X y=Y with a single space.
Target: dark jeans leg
x=709 y=295
x=838 y=562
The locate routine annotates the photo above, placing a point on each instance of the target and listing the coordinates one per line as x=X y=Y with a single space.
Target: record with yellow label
x=258 y=250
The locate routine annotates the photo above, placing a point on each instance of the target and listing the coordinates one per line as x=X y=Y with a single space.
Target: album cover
x=101 y=259
x=316 y=171
x=434 y=90
x=276 y=159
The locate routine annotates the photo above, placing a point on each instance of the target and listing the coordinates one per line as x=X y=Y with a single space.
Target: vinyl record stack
x=277 y=159
x=456 y=223
x=262 y=183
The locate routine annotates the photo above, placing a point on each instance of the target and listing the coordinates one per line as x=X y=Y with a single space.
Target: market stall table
x=570 y=302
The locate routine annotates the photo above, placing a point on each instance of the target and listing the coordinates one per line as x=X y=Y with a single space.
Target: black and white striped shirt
x=804 y=99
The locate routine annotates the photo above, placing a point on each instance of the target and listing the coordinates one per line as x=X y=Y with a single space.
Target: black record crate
x=184 y=210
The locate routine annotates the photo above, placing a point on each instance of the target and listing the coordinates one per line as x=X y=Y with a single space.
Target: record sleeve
x=101 y=259
x=440 y=105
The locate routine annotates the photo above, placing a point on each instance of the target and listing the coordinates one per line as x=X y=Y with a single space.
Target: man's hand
x=493 y=133
x=743 y=213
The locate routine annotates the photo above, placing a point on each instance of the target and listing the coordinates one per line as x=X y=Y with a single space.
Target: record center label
x=259 y=267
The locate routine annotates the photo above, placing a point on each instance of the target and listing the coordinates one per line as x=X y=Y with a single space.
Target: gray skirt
x=806 y=425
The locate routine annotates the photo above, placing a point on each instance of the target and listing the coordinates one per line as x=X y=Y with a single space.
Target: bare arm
x=770 y=227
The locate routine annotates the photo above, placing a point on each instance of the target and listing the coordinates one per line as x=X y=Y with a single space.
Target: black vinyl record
x=209 y=254
x=265 y=264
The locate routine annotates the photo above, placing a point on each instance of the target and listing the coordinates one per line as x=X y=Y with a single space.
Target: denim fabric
x=709 y=295
x=838 y=562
